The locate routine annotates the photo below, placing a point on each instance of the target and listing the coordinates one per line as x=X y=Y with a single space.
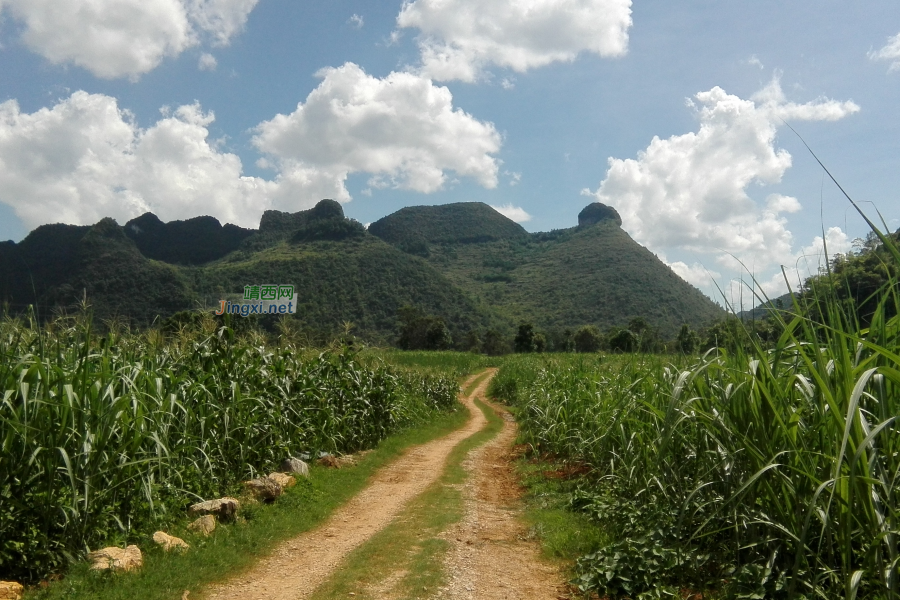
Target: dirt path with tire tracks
x=492 y=557
x=296 y=567
x=299 y=565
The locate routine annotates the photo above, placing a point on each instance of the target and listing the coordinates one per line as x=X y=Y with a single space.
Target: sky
x=679 y=115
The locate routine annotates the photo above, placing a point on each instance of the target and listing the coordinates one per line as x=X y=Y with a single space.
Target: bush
x=588 y=339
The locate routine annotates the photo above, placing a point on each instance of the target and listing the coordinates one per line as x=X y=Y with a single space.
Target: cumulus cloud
x=220 y=19
x=85 y=159
x=513 y=213
x=460 y=38
x=402 y=130
x=207 y=62
x=124 y=38
x=689 y=192
x=890 y=51
x=695 y=274
x=777 y=203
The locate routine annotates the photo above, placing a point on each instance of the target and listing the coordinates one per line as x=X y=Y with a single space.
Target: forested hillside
x=590 y=274
x=464 y=267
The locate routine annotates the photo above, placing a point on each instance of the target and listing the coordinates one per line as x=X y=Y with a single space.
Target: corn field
x=769 y=473
x=104 y=436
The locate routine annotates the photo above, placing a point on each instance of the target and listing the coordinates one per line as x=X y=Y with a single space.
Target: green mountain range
x=464 y=263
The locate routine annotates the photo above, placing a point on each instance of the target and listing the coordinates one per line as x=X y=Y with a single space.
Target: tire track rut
x=296 y=567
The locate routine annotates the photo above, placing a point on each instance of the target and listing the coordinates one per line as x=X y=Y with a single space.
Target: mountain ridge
x=464 y=263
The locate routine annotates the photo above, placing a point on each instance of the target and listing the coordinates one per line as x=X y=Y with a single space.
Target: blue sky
x=671 y=112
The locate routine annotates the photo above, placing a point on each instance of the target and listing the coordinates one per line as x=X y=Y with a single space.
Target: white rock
x=169 y=542
x=117 y=559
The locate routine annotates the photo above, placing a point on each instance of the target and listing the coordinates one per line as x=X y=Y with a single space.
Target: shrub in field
x=105 y=437
x=588 y=339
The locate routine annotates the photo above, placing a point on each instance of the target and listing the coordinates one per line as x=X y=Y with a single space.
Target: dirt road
x=492 y=557
x=300 y=565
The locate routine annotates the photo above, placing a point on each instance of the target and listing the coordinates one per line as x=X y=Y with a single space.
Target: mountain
x=764 y=309
x=149 y=269
x=464 y=263
x=192 y=242
x=590 y=274
x=416 y=228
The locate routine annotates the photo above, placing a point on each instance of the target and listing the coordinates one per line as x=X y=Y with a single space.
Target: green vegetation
x=462 y=264
x=456 y=364
x=191 y=242
x=236 y=546
x=416 y=228
x=107 y=437
x=593 y=274
x=855 y=281
x=565 y=535
x=750 y=472
x=411 y=549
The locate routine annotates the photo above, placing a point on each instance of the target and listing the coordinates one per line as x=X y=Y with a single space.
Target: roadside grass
x=457 y=363
x=564 y=535
x=405 y=560
x=235 y=547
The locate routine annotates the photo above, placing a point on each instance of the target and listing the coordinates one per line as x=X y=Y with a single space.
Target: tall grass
x=458 y=364
x=105 y=436
x=768 y=472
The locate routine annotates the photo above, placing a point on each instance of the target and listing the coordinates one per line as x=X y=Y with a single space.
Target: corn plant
x=105 y=436
x=768 y=472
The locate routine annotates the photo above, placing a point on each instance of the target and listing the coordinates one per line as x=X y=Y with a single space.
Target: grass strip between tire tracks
x=406 y=559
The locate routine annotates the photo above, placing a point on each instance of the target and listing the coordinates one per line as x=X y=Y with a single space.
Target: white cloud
x=513 y=213
x=695 y=274
x=460 y=38
x=689 y=192
x=807 y=261
x=356 y=21
x=221 y=19
x=402 y=129
x=514 y=177
x=754 y=61
x=85 y=159
x=124 y=38
x=811 y=258
x=777 y=203
x=207 y=62
x=890 y=51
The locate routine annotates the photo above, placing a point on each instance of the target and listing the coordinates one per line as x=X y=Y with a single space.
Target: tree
x=688 y=340
x=437 y=336
x=527 y=340
x=471 y=342
x=567 y=342
x=494 y=344
x=588 y=339
x=623 y=340
x=647 y=338
x=856 y=282
x=419 y=331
